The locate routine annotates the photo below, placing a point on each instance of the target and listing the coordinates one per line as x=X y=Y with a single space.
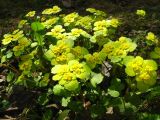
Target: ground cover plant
x=77 y=66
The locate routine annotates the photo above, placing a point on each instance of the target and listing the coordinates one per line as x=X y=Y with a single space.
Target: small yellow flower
x=85 y=22
x=137 y=63
x=76 y=32
x=56 y=9
x=25 y=65
x=50 y=22
x=150 y=36
x=58 y=29
x=75 y=67
x=7 y=39
x=53 y=10
x=144 y=76
x=141 y=13
x=114 y=22
x=47 y=11
x=18 y=48
x=100 y=25
x=16 y=35
x=96 y=12
x=70 y=18
x=22 y=23
x=31 y=14
x=122 y=39
x=24 y=42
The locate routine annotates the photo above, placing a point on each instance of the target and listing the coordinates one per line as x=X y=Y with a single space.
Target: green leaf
x=96 y=79
x=72 y=86
x=9 y=54
x=4 y=104
x=157 y=49
x=115 y=59
x=97 y=110
x=154 y=55
x=44 y=81
x=43 y=99
x=151 y=63
x=37 y=26
x=39 y=38
x=130 y=108
x=3 y=59
x=58 y=89
x=118 y=103
x=113 y=93
x=153 y=92
x=116 y=84
x=76 y=106
x=10 y=76
x=148 y=116
x=127 y=59
x=47 y=115
x=142 y=86
x=132 y=47
x=65 y=101
x=130 y=72
x=49 y=55
x=63 y=115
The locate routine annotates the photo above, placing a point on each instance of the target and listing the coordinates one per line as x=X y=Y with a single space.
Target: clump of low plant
x=79 y=63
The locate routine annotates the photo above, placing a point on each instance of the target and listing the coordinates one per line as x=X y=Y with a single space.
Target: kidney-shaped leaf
x=96 y=79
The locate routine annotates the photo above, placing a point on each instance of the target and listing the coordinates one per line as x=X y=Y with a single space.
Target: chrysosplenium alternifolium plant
x=66 y=52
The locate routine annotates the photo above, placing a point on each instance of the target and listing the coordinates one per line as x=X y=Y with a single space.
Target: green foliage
x=64 y=57
x=96 y=79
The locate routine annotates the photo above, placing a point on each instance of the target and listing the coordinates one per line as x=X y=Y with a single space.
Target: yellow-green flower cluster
x=101 y=28
x=67 y=75
x=16 y=35
x=114 y=22
x=141 y=13
x=53 y=10
x=143 y=70
x=118 y=49
x=22 y=23
x=56 y=31
x=23 y=42
x=101 y=25
x=96 y=12
x=26 y=62
x=70 y=18
x=60 y=53
x=31 y=14
x=85 y=22
x=77 y=32
x=79 y=52
x=151 y=38
x=25 y=65
x=96 y=58
x=48 y=23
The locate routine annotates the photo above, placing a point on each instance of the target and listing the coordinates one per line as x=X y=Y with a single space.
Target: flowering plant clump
x=67 y=75
x=79 y=63
x=143 y=70
x=118 y=49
